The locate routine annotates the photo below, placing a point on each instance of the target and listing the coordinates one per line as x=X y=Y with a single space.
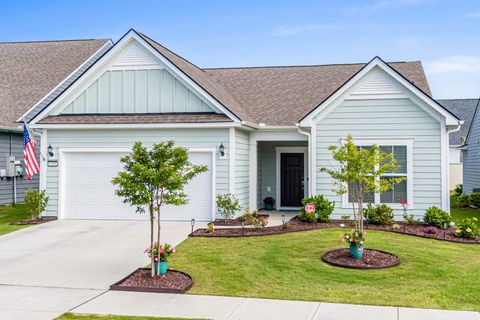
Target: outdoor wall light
x=50 y=151
x=221 y=149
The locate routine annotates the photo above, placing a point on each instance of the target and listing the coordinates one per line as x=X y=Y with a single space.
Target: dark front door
x=291 y=179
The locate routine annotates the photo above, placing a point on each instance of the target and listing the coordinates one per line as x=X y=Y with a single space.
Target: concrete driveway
x=49 y=269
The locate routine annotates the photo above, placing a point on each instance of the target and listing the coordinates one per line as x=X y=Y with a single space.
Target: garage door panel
x=89 y=193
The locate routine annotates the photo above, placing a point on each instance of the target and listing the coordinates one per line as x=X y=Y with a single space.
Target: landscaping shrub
x=467 y=228
x=458 y=189
x=227 y=205
x=475 y=199
x=431 y=230
x=463 y=201
x=410 y=218
x=36 y=201
x=323 y=207
x=379 y=214
x=346 y=217
x=436 y=217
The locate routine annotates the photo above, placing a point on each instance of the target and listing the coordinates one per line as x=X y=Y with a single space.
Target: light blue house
x=262 y=131
x=471 y=155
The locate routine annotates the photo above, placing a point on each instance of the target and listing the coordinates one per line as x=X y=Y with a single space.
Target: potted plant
x=355 y=240
x=268 y=203
x=165 y=251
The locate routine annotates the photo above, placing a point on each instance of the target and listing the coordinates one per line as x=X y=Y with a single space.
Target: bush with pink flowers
x=165 y=251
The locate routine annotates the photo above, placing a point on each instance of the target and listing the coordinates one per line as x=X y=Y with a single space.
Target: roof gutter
x=263 y=126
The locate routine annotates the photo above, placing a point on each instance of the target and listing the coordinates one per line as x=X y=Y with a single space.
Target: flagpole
x=34 y=140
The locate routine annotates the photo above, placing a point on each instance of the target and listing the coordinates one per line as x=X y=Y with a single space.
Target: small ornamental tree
x=227 y=205
x=152 y=178
x=36 y=201
x=362 y=170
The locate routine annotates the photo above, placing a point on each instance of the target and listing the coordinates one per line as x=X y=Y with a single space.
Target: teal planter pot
x=163 y=267
x=356 y=253
x=268 y=206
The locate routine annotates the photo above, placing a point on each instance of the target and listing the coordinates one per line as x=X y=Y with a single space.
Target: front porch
x=282 y=173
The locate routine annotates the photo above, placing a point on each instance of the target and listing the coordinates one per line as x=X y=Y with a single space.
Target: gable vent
x=376 y=84
x=134 y=55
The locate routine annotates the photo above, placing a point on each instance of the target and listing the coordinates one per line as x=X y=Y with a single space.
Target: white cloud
x=454 y=76
x=288 y=31
x=473 y=15
x=385 y=4
x=467 y=64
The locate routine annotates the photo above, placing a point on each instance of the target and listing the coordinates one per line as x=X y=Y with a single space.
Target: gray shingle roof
x=136 y=118
x=30 y=70
x=284 y=95
x=464 y=109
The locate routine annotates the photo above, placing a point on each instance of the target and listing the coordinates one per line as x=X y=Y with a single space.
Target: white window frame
x=407 y=142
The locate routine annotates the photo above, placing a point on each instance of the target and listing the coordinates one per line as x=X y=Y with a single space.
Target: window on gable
x=399 y=190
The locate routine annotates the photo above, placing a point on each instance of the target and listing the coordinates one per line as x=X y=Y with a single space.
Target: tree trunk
x=158 y=237
x=152 y=257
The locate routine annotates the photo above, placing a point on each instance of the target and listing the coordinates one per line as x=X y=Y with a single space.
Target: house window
x=401 y=150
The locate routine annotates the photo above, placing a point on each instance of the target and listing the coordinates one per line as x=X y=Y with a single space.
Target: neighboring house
x=262 y=131
x=29 y=71
x=471 y=155
x=464 y=109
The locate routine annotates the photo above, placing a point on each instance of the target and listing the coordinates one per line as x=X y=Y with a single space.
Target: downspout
x=310 y=162
x=448 y=159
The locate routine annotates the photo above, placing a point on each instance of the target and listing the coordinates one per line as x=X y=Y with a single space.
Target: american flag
x=29 y=156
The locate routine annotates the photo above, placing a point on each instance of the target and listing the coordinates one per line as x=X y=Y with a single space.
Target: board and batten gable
x=137 y=91
x=471 y=157
x=384 y=118
x=103 y=139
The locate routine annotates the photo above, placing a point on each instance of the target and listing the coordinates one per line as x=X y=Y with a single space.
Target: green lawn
x=72 y=316
x=9 y=213
x=432 y=274
x=460 y=213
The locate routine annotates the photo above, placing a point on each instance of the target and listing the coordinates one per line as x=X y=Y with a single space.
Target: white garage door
x=87 y=191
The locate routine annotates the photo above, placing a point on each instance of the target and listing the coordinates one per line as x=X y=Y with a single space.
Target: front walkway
x=236 y=308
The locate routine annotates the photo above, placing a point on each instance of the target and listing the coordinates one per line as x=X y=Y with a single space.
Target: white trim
x=389 y=141
x=231 y=160
x=43 y=160
x=253 y=177
x=444 y=165
x=104 y=63
x=136 y=125
x=278 y=182
x=279 y=135
x=377 y=62
x=109 y=43
x=61 y=173
x=313 y=150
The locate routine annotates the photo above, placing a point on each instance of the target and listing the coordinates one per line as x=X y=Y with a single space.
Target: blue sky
x=444 y=34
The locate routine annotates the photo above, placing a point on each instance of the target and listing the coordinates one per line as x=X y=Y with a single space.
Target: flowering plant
x=165 y=251
x=269 y=200
x=353 y=238
x=431 y=230
x=467 y=228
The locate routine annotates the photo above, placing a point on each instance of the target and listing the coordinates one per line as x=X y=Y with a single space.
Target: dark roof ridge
x=60 y=40
x=303 y=65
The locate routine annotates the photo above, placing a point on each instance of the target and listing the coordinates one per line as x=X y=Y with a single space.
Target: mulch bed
x=372 y=259
x=141 y=280
x=33 y=222
x=295 y=225
x=235 y=222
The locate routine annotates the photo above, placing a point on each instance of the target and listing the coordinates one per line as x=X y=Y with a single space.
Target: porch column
x=253 y=173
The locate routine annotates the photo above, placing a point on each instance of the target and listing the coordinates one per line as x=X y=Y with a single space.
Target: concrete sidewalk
x=236 y=308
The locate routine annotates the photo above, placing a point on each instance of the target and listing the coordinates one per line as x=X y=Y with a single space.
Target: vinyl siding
x=14 y=147
x=471 y=157
x=384 y=118
x=124 y=138
x=242 y=167
x=267 y=166
x=137 y=91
